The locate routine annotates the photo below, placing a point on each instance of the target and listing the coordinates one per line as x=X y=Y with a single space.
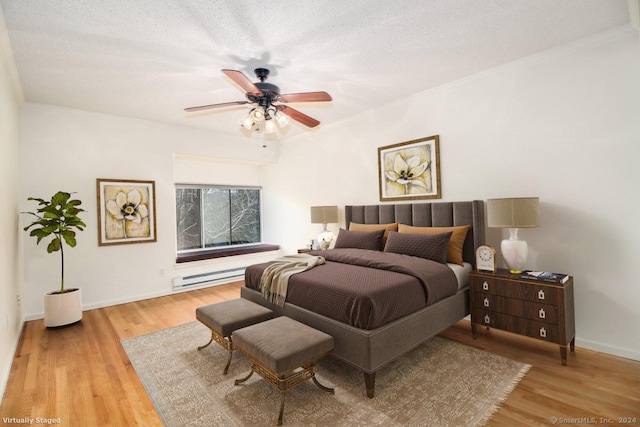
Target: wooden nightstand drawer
x=516 y=307
x=513 y=289
x=519 y=325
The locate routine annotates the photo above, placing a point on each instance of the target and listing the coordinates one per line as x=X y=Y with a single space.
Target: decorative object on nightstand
x=532 y=308
x=324 y=215
x=514 y=213
x=544 y=276
x=486 y=259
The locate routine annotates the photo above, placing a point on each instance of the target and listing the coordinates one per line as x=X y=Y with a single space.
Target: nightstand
x=304 y=251
x=535 y=309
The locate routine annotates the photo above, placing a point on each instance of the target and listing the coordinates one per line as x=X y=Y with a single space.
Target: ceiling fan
x=269 y=102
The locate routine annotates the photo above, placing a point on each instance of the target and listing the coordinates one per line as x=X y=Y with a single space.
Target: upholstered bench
x=225 y=317
x=283 y=352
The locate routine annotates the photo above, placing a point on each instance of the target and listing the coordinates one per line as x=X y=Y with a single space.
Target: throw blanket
x=275 y=278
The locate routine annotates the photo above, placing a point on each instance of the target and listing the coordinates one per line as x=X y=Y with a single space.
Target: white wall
x=563 y=125
x=66 y=149
x=11 y=318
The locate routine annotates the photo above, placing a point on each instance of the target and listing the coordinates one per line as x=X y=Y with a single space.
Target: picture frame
x=410 y=170
x=126 y=211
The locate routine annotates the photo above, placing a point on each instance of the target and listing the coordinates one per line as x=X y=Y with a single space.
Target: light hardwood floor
x=82 y=376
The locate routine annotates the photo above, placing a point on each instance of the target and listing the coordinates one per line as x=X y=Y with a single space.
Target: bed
x=369 y=345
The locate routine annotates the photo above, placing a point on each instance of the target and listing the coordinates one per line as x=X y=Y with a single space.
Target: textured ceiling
x=149 y=59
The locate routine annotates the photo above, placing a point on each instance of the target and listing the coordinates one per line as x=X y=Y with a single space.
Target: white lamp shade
x=282 y=119
x=269 y=127
x=257 y=114
x=247 y=122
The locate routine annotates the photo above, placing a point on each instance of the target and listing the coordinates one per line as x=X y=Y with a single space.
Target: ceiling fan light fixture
x=257 y=114
x=269 y=127
x=282 y=119
x=247 y=122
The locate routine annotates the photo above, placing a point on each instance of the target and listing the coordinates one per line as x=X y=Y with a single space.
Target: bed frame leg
x=370 y=383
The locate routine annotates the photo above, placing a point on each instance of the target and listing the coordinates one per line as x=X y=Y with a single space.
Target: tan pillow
x=354 y=226
x=454 y=251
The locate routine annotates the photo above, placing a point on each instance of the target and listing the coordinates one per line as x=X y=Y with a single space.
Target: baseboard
x=85 y=307
x=608 y=349
x=6 y=371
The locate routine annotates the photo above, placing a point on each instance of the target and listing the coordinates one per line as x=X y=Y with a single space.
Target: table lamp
x=514 y=213
x=324 y=215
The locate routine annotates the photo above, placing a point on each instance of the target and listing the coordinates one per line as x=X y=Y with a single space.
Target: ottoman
x=225 y=317
x=283 y=352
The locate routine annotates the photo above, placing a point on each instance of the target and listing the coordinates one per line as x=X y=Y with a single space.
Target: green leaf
x=69 y=237
x=39 y=234
x=49 y=228
x=51 y=214
x=54 y=245
x=60 y=198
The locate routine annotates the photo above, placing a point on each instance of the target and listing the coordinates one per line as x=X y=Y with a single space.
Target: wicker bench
x=283 y=352
x=224 y=318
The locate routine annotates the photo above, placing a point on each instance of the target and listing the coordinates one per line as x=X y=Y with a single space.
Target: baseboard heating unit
x=213 y=277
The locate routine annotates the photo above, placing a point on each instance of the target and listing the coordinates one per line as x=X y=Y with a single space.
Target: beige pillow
x=454 y=251
x=354 y=226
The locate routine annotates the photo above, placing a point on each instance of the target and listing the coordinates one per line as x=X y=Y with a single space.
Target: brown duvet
x=364 y=288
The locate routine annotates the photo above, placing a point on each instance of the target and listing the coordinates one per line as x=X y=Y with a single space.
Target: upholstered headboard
x=442 y=214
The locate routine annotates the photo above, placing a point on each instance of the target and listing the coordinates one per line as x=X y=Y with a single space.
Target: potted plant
x=58 y=218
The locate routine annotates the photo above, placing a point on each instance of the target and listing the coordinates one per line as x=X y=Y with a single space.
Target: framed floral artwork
x=126 y=211
x=410 y=170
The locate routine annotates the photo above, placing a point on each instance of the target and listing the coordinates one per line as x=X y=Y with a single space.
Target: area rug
x=440 y=383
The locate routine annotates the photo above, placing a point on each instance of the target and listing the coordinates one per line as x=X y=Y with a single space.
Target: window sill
x=220 y=253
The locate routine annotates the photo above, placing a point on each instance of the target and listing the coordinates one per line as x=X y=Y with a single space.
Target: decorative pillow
x=354 y=226
x=429 y=246
x=454 y=251
x=359 y=239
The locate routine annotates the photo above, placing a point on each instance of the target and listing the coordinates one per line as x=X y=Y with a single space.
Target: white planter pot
x=62 y=309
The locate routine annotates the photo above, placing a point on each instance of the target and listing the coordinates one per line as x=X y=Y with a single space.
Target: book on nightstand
x=544 y=276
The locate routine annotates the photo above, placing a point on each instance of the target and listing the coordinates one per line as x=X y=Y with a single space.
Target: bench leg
x=207 y=344
x=281 y=408
x=226 y=367
x=224 y=342
x=241 y=380
x=322 y=387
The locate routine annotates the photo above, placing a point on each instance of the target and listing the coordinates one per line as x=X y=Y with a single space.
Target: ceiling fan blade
x=305 y=97
x=224 y=104
x=298 y=116
x=243 y=81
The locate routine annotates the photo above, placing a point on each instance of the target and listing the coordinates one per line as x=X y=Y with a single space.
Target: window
x=210 y=217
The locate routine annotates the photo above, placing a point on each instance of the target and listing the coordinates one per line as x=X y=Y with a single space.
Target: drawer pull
x=541 y=313
x=485 y=286
x=540 y=294
x=486 y=302
x=487 y=319
x=543 y=332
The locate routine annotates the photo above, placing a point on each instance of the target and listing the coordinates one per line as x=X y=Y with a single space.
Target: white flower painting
x=126 y=211
x=410 y=170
